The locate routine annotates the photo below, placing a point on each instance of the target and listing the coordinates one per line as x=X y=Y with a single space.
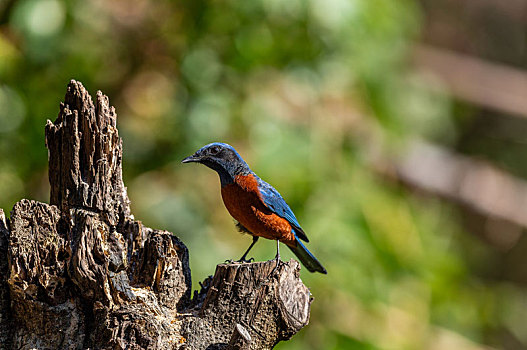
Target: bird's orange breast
x=243 y=201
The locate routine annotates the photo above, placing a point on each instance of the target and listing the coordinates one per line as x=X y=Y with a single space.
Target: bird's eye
x=214 y=150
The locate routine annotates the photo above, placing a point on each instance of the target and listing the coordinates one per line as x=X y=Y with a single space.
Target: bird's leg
x=277 y=258
x=277 y=251
x=242 y=259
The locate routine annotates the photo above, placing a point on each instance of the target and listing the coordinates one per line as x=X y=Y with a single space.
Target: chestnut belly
x=249 y=211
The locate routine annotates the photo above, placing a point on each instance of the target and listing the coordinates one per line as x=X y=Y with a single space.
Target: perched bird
x=257 y=207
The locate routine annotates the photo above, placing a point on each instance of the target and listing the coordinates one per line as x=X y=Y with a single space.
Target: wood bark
x=240 y=339
x=82 y=273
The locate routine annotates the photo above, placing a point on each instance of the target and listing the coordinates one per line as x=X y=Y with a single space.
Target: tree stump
x=82 y=273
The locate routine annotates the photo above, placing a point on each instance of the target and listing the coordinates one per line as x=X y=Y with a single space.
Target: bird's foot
x=246 y=261
x=241 y=261
x=277 y=266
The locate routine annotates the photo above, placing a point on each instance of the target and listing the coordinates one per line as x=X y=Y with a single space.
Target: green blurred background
x=396 y=131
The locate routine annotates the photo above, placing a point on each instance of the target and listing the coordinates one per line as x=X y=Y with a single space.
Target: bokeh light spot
x=45 y=17
x=13 y=110
x=202 y=68
x=210 y=119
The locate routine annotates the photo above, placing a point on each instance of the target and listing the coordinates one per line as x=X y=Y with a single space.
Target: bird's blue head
x=222 y=158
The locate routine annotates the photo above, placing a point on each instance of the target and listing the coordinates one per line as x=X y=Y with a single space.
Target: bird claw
x=241 y=261
x=277 y=266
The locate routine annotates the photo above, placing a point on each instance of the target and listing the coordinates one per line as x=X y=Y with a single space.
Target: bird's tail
x=306 y=258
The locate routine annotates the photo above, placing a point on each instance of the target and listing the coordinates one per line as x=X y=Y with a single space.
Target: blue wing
x=274 y=201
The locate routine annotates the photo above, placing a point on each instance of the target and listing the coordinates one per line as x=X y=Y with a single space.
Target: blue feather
x=307 y=258
x=274 y=201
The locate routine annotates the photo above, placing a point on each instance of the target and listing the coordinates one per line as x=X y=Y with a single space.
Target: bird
x=258 y=207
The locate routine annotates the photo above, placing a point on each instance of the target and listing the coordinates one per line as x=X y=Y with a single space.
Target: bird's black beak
x=191 y=159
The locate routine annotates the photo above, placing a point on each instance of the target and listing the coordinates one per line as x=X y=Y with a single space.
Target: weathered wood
x=85 y=156
x=5 y=300
x=81 y=273
x=240 y=339
x=271 y=305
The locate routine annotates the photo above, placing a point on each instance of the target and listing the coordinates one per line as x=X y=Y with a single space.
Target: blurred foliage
x=307 y=91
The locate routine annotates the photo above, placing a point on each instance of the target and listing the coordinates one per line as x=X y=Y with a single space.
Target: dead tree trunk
x=82 y=273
